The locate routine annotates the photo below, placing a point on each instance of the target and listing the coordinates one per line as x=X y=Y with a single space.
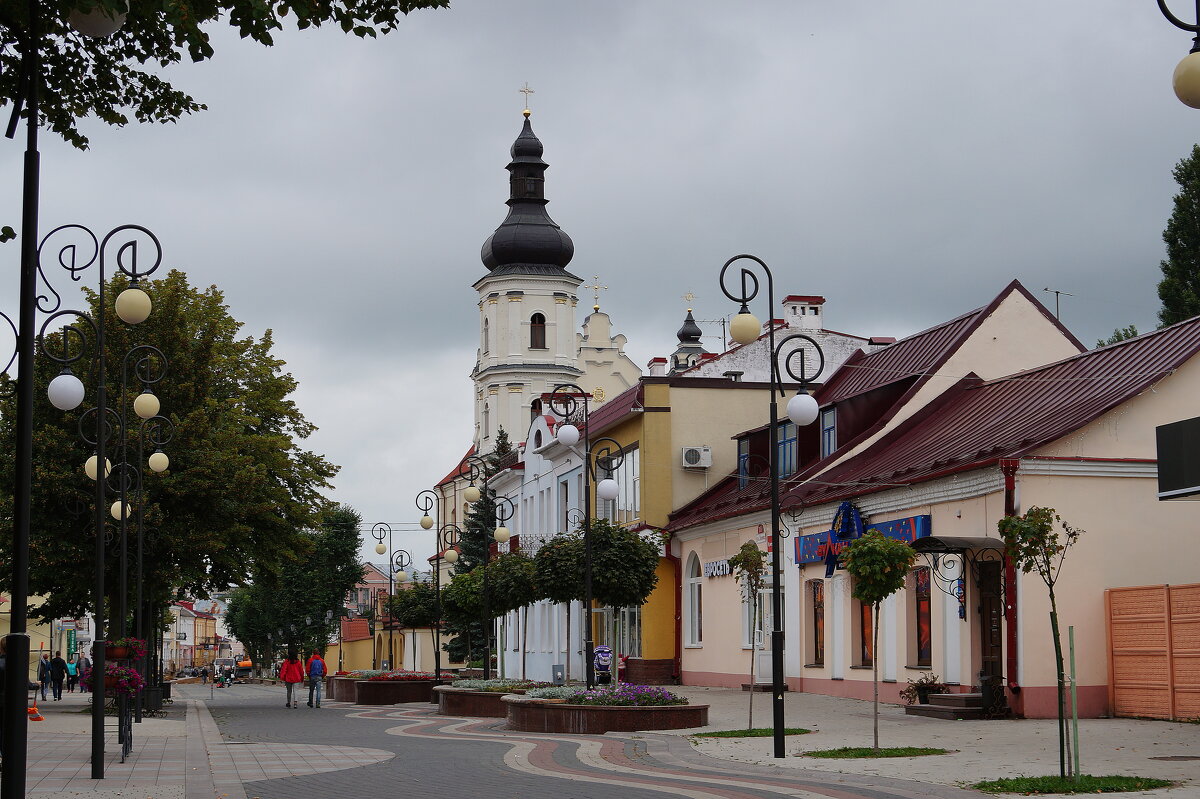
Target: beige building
x=994 y=412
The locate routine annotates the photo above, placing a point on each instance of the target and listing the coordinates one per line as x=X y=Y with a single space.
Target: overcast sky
x=904 y=160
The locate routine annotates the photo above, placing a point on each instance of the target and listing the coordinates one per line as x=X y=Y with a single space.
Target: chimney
x=803 y=311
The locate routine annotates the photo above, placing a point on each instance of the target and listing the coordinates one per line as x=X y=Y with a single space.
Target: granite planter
x=453 y=701
x=392 y=692
x=539 y=715
x=343 y=689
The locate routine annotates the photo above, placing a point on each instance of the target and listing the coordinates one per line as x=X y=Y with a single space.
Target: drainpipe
x=678 y=564
x=1009 y=469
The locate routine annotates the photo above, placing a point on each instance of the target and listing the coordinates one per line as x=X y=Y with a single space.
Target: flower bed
x=529 y=714
x=408 y=676
x=383 y=689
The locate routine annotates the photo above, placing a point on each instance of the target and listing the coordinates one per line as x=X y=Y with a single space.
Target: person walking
x=315 y=666
x=85 y=665
x=72 y=674
x=43 y=673
x=58 y=673
x=204 y=675
x=292 y=674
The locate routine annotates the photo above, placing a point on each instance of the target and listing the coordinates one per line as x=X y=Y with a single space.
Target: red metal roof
x=811 y=299
x=616 y=408
x=975 y=424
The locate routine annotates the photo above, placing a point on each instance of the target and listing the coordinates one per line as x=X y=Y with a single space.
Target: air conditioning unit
x=697 y=457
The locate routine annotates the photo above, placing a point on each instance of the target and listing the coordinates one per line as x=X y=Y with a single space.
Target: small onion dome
x=690 y=333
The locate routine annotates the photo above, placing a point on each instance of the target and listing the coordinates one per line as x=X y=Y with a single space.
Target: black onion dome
x=528 y=241
x=690 y=333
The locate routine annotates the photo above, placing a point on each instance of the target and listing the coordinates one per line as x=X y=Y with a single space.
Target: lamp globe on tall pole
x=802 y=409
x=1186 y=78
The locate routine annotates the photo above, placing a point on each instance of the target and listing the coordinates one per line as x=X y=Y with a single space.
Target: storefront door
x=991 y=614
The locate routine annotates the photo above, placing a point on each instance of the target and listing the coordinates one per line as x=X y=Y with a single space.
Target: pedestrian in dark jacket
x=315 y=666
x=58 y=673
x=85 y=665
x=43 y=673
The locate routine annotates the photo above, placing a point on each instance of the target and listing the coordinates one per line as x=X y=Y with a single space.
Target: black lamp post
x=565 y=401
x=802 y=409
x=447 y=538
x=504 y=511
x=383 y=530
x=1186 y=79
x=478 y=469
x=401 y=561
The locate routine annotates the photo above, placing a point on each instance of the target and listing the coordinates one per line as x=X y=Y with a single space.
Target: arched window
x=537 y=439
x=485 y=335
x=695 y=602
x=537 y=332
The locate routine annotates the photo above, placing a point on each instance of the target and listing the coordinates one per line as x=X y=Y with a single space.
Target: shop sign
x=817 y=547
x=717 y=568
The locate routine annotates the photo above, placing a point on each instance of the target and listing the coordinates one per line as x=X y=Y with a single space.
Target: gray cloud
x=904 y=160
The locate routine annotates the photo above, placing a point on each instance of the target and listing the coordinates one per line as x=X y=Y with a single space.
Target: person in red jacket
x=315 y=668
x=292 y=674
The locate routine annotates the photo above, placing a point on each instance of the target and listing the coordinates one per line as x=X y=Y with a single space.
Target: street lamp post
x=504 y=511
x=427 y=502
x=398 y=570
x=479 y=469
x=15 y=725
x=66 y=392
x=802 y=410
x=383 y=530
x=565 y=400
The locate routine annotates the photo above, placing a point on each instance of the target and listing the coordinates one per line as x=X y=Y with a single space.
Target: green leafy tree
x=240 y=488
x=1179 y=289
x=475 y=546
x=624 y=564
x=1034 y=544
x=879 y=566
x=558 y=575
x=109 y=78
x=414 y=605
x=299 y=607
x=1119 y=334
x=749 y=569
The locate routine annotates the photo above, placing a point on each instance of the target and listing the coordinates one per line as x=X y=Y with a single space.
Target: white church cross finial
x=525 y=90
x=596 y=289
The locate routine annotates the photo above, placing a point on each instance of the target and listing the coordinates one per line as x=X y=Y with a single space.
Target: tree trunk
x=567 y=676
x=753 y=653
x=875 y=670
x=1058 y=666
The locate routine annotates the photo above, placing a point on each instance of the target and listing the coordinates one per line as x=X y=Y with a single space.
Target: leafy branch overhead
x=115 y=77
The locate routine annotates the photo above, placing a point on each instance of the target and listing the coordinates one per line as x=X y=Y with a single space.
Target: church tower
x=527 y=304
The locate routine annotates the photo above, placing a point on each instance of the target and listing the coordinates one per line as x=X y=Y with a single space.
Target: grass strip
x=883 y=751
x=1086 y=784
x=757 y=732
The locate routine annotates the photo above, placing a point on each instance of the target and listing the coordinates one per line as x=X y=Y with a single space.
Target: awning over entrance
x=945 y=544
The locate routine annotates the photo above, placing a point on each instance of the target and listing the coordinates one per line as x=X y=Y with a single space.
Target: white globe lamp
x=568 y=435
x=119 y=510
x=745 y=327
x=802 y=409
x=146 y=405
x=133 y=306
x=98 y=23
x=65 y=392
x=502 y=535
x=1186 y=80
x=471 y=494
x=451 y=556
x=380 y=548
x=426 y=522
x=159 y=462
x=89 y=467
x=607 y=489
x=402 y=576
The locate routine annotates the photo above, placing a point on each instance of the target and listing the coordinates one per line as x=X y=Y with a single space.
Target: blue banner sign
x=816 y=547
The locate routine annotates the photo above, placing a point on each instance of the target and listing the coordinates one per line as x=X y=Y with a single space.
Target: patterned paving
x=250 y=762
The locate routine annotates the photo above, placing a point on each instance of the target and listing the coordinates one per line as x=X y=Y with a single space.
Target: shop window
x=695 y=602
x=537 y=332
x=815 y=639
x=863 y=650
x=622 y=630
x=919 y=606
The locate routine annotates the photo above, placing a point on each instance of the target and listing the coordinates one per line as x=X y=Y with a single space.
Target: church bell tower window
x=537 y=332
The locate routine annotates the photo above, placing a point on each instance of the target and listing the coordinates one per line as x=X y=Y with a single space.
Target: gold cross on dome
x=689 y=298
x=596 y=289
x=525 y=90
